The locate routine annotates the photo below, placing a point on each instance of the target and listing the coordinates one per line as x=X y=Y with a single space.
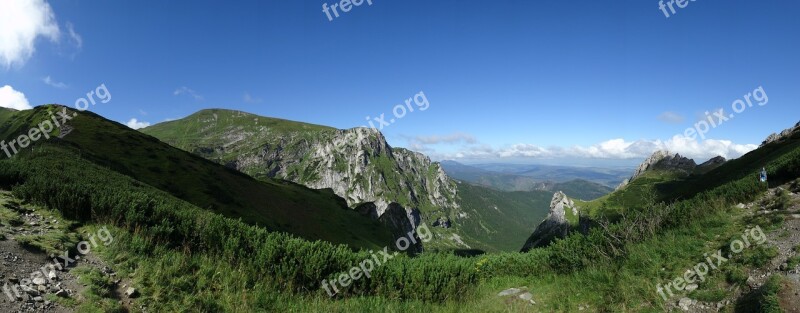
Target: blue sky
x=511 y=81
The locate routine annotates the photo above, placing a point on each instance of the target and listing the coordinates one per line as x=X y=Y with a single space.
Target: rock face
x=564 y=217
x=786 y=133
x=623 y=184
x=357 y=164
x=664 y=160
x=401 y=222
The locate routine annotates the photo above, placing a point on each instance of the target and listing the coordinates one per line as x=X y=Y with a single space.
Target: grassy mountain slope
x=273 y=204
x=357 y=164
x=672 y=186
x=501 y=221
x=210 y=128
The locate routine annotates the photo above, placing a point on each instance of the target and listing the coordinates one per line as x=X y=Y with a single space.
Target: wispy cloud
x=12 y=99
x=21 y=23
x=188 y=91
x=76 y=38
x=248 y=98
x=136 y=124
x=671 y=118
x=449 y=139
x=426 y=144
x=49 y=81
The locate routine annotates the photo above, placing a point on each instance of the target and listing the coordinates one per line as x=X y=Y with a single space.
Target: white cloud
x=671 y=118
x=12 y=99
x=250 y=99
x=49 y=81
x=188 y=91
x=614 y=149
x=136 y=124
x=21 y=23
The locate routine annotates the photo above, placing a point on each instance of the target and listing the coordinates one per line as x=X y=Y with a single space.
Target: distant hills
x=579 y=182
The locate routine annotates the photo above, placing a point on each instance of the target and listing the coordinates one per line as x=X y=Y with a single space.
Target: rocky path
x=31 y=280
x=785 y=239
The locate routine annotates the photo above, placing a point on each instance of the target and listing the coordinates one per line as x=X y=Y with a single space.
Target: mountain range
x=229 y=211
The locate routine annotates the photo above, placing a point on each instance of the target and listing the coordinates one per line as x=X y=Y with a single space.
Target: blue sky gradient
x=503 y=78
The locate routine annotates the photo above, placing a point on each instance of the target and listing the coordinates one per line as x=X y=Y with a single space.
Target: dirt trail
x=785 y=239
x=19 y=291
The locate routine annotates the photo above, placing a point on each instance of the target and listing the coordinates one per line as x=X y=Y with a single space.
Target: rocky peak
x=664 y=160
x=786 y=133
x=555 y=225
x=558 y=206
x=711 y=164
x=717 y=160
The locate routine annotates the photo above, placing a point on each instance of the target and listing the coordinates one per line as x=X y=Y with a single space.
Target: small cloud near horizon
x=12 y=99
x=671 y=118
x=248 y=98
x=136 y=124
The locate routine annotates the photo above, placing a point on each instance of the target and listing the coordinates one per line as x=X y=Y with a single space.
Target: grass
x=735 y=274
x=793 y=262
x=99 y=292
x=770 y=302
x=760 y=256
x=9 y=218
x=51 y=243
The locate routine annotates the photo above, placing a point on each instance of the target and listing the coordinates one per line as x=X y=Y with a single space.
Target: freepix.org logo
x=345 y=6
